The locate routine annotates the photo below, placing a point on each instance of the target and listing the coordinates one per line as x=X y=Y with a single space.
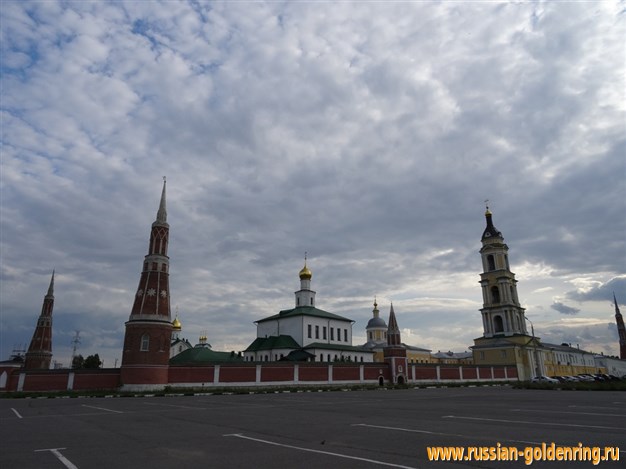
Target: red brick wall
x=277 y=373
x=511 y=371
x=372 y=372
x=346 y=373
x=191 y=374
x=101 y=379
x=498 y=372
x=237 y=374
x=143 y=375
x=46 y=381
x=449 y=373
x=313 y=373
x=424 y=372
x=469 y=372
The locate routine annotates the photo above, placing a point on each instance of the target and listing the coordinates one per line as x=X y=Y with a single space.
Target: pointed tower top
x=490 y=230
x=51 y=287
x=161 y=217
x=617 y=311
x=393 y=331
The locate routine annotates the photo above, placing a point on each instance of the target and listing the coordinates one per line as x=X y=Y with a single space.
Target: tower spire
x=149 y=328
x=621 y=329
x=39 y=352
x=393 y=331
x=161 y=217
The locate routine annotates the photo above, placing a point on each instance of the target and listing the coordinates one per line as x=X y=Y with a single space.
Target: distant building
x=453 y=358
x=305 y=333
x=376 y=333
x=178 y=344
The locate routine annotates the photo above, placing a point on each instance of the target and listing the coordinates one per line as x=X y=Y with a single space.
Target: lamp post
x=536 y=355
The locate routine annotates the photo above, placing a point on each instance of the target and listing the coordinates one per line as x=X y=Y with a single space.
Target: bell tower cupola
x=501 y=312
x=305 y=296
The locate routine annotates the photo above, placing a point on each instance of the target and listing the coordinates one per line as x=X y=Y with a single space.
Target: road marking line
x=16 y=413
x=439 y=433
x=530 y=422
x=562 y=412
x=66 y=462
x=339 y=455
x=103 y=408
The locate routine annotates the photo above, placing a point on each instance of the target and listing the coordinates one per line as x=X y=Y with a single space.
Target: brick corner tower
x=394 y=352
x=39 y=352
x=145 y=358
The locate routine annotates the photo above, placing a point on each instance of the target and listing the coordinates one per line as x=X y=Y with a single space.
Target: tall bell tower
x=501 y=312
x=146 y=353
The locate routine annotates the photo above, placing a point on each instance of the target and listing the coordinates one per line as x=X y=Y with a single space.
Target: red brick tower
x=395 y=353
x=39 y=352
x=621 y=330
x=148 y=335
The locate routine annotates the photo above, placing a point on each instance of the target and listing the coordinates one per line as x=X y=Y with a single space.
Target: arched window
x=498 y=325
x=495 y=294
x=145 y=343
x=491 y=261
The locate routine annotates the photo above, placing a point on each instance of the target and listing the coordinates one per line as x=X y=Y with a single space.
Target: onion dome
x=176 y=324
x=305 y=273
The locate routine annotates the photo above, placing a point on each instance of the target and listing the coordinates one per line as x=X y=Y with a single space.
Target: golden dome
x=305 y=273
x=176 y=324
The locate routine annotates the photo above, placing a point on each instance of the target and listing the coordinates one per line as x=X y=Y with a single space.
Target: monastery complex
x=307 y=345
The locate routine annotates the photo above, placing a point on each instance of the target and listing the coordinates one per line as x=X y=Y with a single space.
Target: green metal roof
x=304 y=311
x=347 y=348
x=273 y=342
x=201 y=355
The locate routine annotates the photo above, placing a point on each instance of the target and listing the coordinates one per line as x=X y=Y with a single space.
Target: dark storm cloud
x=564 y=309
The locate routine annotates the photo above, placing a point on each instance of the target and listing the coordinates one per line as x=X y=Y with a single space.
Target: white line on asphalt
x=438 y=433
x=373 y=461
x=562 y=412
x=532 y=423
x=103 y=408
x=16 y=413
x=66 y=462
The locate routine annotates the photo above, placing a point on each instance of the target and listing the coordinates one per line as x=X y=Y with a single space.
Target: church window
x=309 y=327
x=324 y=333
x=491 y=261
x=506 y=261
x=332 y=333
x=345 y=335
x=482 y=355
x=317 y=332
x=495 y=294
x=145 y=343
x=297 y=301
x=370 y=335
x=311 y=301
x=498 y=325
x=503 y=353
x=361 y=359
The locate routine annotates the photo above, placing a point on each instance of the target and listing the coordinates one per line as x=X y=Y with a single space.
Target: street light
x=532 y=328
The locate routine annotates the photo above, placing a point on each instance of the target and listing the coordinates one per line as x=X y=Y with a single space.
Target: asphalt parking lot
x=312 y=429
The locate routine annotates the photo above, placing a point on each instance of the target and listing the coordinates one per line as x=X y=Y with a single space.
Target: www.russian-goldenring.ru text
x=529 y=454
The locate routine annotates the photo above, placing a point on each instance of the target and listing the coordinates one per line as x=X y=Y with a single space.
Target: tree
x=78 y=362
x=92 y=361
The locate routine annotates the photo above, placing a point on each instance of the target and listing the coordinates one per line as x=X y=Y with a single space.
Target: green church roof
x=273 y=342
x=202 y=355
x=304 y=311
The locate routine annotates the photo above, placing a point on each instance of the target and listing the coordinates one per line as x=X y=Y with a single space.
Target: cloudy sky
x=368 y=134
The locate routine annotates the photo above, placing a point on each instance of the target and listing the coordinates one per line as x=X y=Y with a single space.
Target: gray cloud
x=368 y=135
x=564 y=309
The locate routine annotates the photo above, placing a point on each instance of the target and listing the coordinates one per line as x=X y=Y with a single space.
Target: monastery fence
x=253 y=374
